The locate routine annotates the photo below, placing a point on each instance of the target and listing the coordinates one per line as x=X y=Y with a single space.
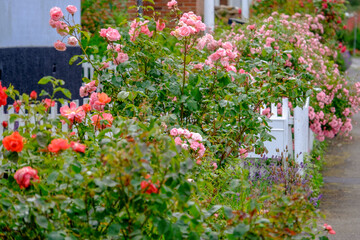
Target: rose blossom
x=112 y=34
x=160 y=25
x=58 y=144
x=71 y=9
x=56 y=13
x=174 y=132
x=88 y=88
x=60 y=46
x=78 y=147
x=171 y=4
x=73 y=113
x=33 y=95
x=24 y=175
x=121 y=58
x=72 y=41
x=13 y=142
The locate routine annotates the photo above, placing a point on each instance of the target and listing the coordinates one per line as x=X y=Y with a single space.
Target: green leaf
x=86 y=34
x=45 y=80
x=76 y=167
x=41 y=221
x=52 y=177
x=212 y=210
x=114 y=229
x=240 y=230
x=123 y=95
x=80 y=203
x=73 y=59
x=191 y=104
x=44 y=93
x=228 y=212
x=42 y=139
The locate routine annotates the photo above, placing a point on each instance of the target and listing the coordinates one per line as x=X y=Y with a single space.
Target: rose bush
x=153 y=153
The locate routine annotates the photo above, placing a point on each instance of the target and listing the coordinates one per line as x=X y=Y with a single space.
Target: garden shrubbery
x=157 y=151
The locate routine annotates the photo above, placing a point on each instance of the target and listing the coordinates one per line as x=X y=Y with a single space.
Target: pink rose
x=171 y=4
x=103 y=32
x=112 y=34
x=196 y=137
x=62 y=28
x=60 y=46
x=121 y=58
x=71 y=9
x=72 y=41
x=178 y=141
x=174 y=132
x=24 y=175
x=53 y=23
x=56 y=13
x=105 y=65
x=184 y=31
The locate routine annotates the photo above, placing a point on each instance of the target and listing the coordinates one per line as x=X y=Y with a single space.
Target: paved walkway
x=341 y=199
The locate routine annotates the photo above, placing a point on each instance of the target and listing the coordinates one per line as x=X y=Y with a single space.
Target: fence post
x=301 y=132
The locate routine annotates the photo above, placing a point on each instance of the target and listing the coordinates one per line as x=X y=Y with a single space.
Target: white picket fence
x=285 y=143
x=53 y=114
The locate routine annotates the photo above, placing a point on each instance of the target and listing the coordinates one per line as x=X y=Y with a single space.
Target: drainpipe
x=209 y=14
x=355 y=34
x=140 y=7
x=245 y=9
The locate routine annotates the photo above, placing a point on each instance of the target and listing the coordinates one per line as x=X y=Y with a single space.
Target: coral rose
x=24 y=175
x=3 y=96
x=60 y=46
x=58 y=144
x=13 y=142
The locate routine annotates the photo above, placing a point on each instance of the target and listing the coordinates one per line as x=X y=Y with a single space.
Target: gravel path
x=341 y=199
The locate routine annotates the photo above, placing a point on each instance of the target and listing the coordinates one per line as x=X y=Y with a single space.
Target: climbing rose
x=33 y=95
x=102 y=121
x=78 y=147
x=13 y=142
x=24 y=175
x=58 y=144
x=72 y=41
x=60 y=46
x=87 y=89
x=56 y=13
x=71 y=9
x=3 y=96
x=121 y=58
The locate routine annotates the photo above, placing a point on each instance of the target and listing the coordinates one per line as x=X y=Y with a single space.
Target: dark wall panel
x=24 y=67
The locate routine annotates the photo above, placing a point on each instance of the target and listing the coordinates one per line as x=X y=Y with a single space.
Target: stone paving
x=341 y=191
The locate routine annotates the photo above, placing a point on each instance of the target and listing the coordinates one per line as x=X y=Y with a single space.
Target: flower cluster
x=137 y=27
x=99 y=100
x=185 y=138
x=61 y=27
x=149 y=187
x=329 y=229
x=87 y=89
x=58 y=144
x=189 y=24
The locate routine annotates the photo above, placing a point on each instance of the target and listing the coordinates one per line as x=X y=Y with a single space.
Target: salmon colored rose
x=58 y=144
x=13 y=142
x=78 y=147
x=24 y=175
x=99 y=120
